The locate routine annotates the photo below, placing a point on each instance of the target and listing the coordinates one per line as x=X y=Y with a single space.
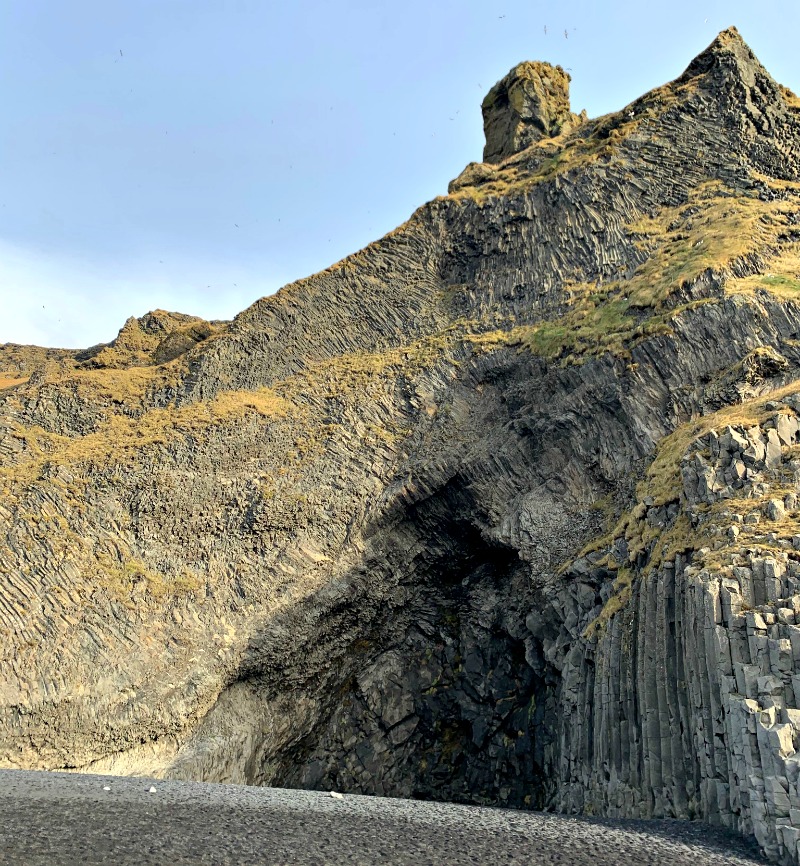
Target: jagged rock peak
x=155 y=338
x=748 y=98
x=729 y=58
x=529 y=104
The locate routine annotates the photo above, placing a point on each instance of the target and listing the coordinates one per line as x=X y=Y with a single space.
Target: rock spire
x=529 y=104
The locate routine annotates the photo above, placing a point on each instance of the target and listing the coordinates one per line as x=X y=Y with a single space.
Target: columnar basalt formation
x=501 y=509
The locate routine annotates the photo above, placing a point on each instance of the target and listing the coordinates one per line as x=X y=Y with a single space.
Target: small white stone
x=337 y=796
x=106 y=788
x=152 y=790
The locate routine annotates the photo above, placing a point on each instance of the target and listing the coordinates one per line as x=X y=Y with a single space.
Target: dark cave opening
x=461 y=705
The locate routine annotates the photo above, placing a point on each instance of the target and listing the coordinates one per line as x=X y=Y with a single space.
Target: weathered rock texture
x=529 y=104
x=501 y=509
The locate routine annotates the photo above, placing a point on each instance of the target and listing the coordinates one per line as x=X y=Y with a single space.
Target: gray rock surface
x=529 y=104
x=500 y=510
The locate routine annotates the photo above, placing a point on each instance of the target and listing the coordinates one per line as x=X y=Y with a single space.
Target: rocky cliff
x=501 y=509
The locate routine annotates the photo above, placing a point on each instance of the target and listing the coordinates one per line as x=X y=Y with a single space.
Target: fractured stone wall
x=687 y=702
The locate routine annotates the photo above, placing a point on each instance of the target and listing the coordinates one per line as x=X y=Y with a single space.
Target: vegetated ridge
x=501 y=509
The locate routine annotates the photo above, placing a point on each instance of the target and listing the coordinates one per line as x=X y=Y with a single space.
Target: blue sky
x=195 y=155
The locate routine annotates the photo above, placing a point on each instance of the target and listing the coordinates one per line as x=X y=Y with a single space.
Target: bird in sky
x=566 y=34
x=545 y=30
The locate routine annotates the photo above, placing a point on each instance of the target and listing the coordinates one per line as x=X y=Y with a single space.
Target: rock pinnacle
x=529 y=104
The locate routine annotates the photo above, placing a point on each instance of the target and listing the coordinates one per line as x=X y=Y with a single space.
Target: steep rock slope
x=501 y=509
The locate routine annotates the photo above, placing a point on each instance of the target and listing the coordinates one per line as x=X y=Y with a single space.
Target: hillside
x=501 y=509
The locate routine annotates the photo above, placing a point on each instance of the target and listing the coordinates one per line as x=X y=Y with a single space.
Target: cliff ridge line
x=501 y=509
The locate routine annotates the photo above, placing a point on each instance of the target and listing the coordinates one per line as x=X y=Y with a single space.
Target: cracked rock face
x=501 y=509
x=529 y=104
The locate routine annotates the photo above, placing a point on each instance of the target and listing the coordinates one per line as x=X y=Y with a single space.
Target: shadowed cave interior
x=458 y=708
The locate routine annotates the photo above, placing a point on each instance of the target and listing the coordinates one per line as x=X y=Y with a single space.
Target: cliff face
x=501 y=509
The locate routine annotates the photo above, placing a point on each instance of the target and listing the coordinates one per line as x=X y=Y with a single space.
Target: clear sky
x=194 y=155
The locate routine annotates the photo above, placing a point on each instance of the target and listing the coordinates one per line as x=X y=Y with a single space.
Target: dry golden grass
x=135 y=346
x=539 y=163
x=120 y=437
x=791 y=98
x=682 y=244
x=663 y=480
x=121 y=579
x=782 y=279
x=24 y=360
x=113 y=385
x=622 y=591
x=352 y=371
x=10 y=380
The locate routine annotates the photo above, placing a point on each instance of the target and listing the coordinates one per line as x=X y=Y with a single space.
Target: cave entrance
x=462 y=707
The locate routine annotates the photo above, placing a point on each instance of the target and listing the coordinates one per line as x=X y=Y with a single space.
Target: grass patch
x=621 y=595
x=539 y=163
x=714 y=228
x=597 y=322
x=782 y=283
x=11 y=380
x=156 y=338
x=121 y=580
x=782 y=280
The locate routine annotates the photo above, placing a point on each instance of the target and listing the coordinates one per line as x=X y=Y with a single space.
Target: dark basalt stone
x=500 y=509
x=529 y=104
